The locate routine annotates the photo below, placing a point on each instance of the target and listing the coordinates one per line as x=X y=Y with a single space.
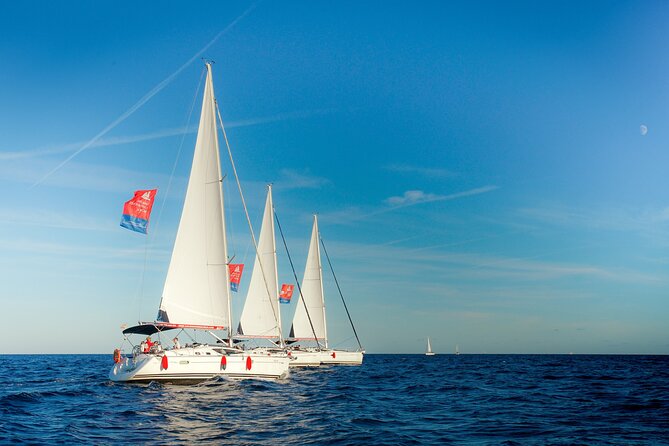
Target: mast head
x=208 y=63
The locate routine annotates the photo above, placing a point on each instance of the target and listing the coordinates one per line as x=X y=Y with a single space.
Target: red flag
x=286 y=293
x=137 y=210
x=235 y=275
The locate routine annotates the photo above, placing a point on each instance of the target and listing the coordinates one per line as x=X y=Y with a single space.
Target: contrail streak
x=155 y=90
x=158 y=134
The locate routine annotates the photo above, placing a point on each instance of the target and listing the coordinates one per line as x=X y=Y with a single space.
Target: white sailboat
x=429 y=351
x=261 y=318
x=309 y=322
x=196 y=293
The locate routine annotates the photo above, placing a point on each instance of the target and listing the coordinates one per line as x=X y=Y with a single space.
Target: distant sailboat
x=429 y=351
x=196 y=293
x=457 y=349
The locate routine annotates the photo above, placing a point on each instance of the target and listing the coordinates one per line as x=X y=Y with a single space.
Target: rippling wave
x=390 y=399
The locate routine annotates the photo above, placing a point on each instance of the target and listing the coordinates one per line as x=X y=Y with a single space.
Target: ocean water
x=389 y=400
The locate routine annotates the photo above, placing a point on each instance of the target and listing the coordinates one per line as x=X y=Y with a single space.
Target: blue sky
x=479 y=168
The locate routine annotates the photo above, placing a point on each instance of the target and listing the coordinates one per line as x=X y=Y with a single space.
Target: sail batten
x=196 y=286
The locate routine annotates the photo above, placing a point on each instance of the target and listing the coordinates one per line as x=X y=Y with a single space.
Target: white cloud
x=412 y=197
x=409 y=198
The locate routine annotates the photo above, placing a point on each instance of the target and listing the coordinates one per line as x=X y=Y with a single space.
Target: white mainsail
x=260 y=317
x=196 y=290
x=312 y=293
x=429 y=351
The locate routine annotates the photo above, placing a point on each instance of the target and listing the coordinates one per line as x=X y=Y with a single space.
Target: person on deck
x=149 y=344
x=176 y=343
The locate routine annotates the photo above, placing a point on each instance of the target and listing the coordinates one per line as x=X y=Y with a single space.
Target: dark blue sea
x=389 y=400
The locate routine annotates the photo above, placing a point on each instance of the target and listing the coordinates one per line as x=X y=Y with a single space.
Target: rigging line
x=248 y=220
x=340 y=293
x=228 y=223
x=299 y=288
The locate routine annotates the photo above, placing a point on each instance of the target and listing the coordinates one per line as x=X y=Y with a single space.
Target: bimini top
x=149 y=328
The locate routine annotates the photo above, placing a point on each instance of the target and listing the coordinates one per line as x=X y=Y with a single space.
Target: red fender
x=334 y=355
x=224 y=362
x=164 y=363
x=249 y=363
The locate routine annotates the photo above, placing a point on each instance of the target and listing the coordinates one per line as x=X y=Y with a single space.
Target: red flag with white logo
x=286 y=293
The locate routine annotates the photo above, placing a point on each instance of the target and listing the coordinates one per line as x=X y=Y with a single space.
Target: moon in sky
x=644 y=130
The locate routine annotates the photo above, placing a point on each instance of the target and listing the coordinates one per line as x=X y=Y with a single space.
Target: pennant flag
x=137 y=210
x=235 y=275
x=286 y=293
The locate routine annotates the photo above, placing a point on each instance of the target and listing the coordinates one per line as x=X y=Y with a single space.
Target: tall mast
x=225 y=237
x=276 y=272
x=320 y=273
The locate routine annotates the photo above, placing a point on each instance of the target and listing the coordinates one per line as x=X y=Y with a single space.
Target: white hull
x=305 y=358
x=314 y=358
x=341 y=357
x=429 y=354
x=199 y=364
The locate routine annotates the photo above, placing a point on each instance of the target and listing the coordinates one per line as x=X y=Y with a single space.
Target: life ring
x=117 y=356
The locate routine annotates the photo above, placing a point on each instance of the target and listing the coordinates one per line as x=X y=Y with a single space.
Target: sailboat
x=429 y=351
x=196 y=293
x=261 y=318
x=309 y=322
